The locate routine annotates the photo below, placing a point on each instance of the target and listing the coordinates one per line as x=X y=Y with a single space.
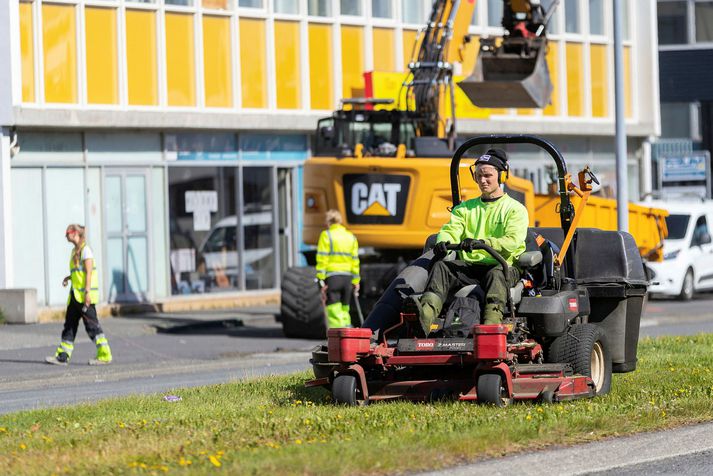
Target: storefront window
x=202 y=221
x=258 y=228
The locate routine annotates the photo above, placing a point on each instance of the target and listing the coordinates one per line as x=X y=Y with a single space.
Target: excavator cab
x=514 y=73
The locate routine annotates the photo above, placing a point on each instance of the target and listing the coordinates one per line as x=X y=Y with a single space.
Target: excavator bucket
x=515 y=74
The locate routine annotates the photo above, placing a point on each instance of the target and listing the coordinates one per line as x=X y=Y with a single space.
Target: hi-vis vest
x=79 y=278
x=337 y=253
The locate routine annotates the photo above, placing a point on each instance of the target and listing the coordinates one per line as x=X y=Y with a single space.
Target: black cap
x=496 y=157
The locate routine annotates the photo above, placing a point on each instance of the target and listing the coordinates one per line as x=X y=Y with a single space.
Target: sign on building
x=685 y=174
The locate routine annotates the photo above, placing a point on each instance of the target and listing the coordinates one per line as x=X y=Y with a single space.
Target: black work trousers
x=74 y=314
x=339 y=289
x=447 y=277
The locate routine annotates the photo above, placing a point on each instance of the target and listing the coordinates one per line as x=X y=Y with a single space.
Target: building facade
x=176 y=129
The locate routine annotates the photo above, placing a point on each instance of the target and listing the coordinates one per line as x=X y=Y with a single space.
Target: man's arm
x=516 y=224
x=454 y=230
x=355 y=263
x=88 y=269
x=322 y=256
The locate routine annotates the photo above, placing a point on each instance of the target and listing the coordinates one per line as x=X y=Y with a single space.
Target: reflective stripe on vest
x=79 y=277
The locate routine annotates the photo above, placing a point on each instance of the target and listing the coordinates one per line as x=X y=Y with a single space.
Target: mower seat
x=527 y=260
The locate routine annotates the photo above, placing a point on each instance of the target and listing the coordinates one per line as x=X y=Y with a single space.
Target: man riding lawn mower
x=571 y=311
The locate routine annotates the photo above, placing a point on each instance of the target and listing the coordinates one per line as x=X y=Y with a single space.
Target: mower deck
x=482 y=368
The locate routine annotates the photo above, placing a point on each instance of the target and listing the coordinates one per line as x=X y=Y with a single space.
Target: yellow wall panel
x=180 y=60
x=287 y=64
x=628 y=86
x=321 y=79
x=101 y=65
x=553 y=109
x=253 y=67
x=600 y=73
x=141 y=58
x=217 y=53
x=575 y=80
x=352 y=61
x=409 y=37
x=384 y=49
x=59 y=40
x=27 y=52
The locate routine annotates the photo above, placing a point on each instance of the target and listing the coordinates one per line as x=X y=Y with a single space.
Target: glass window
x=626 y=20
x=677 y=226
x=287 y=6
x=202 y=146
x=553 y=24
x=350 y=7
x=257 y=228
x=701 y=234
x=202 y=212
x=50 y=147
x=704 y=22
x=495 y=12
x=675 y=120
x=571 y=16
x=382 y=8
x=29 y=252
x=62 y=208
x=273 y=142
x=673 y=26
x=250 y=3
x=182 y=3
x=319 y=8
x=217 y=4
x=413 y=11
x=596 y=17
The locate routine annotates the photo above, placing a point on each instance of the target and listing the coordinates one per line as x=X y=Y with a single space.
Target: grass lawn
x=275 y=425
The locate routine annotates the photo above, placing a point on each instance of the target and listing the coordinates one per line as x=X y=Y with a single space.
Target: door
x=702 y=253
x=284 y=216
x=127 y=232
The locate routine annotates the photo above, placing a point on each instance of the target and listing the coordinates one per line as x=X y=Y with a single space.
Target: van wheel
x=687 y=286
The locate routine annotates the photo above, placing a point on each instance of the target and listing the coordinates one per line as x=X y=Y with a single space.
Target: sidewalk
x=47 y=334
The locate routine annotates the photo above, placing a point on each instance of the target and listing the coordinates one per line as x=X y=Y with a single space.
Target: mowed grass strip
x=275 y=425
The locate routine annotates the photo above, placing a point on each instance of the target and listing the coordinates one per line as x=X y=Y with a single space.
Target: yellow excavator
x=384 y=169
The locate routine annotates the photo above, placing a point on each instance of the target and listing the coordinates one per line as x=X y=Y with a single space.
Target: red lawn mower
x=573 y=319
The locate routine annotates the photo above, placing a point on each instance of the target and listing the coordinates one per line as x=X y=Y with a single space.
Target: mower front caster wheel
x=491 y=390
x=344 y=389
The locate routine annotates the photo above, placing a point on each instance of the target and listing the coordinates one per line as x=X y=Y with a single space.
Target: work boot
x=426 y=309
x=492 y=315
x=103 y=352
x=61 y=358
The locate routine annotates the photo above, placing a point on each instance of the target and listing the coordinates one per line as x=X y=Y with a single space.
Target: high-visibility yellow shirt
x=79 y=276
x=338 y=253
x=502 y=224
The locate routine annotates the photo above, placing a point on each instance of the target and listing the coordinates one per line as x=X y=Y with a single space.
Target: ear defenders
x=492 y=157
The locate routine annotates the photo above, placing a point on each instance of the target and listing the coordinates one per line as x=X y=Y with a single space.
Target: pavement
x=152 y=352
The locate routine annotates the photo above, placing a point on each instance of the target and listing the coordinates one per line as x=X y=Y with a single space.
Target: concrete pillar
x=6 y=260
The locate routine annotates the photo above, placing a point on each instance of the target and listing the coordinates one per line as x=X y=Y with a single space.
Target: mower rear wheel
x=584 y=346
x=491 y=390
x=344 y=389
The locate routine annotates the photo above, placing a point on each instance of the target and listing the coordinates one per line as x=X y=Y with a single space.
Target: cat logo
x=375 y=198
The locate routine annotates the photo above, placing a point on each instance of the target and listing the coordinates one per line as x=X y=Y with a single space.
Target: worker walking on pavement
x=337 y=269
x=83 y=296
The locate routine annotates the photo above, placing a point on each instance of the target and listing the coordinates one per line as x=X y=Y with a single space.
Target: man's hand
x=469 y=244
x=65 y=281
x=440 y=250
x=356 y=288
x=87 y=298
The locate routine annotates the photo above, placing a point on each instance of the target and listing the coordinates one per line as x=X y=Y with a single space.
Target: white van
x=688 y=251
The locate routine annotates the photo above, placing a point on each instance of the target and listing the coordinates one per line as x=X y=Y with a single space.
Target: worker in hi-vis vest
x=337 y=269
x=83 y=296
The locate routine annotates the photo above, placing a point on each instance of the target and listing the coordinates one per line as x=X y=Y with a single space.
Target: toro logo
x=425 y=344
x=376 y=198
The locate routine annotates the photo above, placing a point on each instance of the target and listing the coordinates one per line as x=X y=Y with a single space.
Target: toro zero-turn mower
x=573 y=319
